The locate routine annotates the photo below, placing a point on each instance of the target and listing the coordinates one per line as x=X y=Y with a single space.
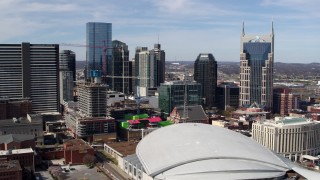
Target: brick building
x=16 y=141
x=14 y=107
x=284 y=101
x=10 y=170
x=75 y=150
x=24 y=156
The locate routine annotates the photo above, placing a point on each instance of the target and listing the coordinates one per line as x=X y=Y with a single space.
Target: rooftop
x=289 y=121
x=12 y=165
x=76 y=144
x=21 y=122
x=16 y=151
x=15 y=137
x=194 y=112
x=125 y=148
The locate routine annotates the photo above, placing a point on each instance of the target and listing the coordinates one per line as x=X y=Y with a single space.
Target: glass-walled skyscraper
x=99 y=38
x=256 y=69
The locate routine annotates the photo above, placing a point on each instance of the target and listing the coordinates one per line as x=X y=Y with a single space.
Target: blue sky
x=185 y=27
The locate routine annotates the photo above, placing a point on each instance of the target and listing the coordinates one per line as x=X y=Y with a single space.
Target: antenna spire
x=243 y=28
x=272 y=31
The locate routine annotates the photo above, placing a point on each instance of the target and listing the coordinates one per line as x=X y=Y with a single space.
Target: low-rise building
x=16 y=141
x=24 y=156
x=32 y=125
x=75 y=150
x=194 y=114
x=289 y=136
x=114 y=97
x=10 y=170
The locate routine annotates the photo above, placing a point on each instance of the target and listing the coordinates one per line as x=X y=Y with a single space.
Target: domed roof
x=190 y=150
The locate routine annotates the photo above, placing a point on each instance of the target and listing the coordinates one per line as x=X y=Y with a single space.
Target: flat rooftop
x=16 y=151
x=125 y=148
x=21 y=122
x=289 y=121
x=12 y=165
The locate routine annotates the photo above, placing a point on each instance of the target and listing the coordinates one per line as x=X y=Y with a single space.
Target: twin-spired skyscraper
x=256 y=69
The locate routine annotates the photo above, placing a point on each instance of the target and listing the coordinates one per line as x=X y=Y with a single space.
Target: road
x=106 y=165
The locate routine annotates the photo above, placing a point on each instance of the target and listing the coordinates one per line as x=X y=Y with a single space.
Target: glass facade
x=171 y=94
x=256 y=54
x=98 y=36
x=120 y=64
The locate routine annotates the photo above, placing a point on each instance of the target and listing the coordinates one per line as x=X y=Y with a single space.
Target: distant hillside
x=233 y=67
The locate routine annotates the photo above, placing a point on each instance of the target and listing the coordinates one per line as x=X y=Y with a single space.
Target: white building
x=289 y=136
x=114 y=97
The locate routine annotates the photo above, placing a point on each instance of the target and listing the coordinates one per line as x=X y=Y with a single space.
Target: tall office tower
x=161 y=59
x=120 y=70
x=171 y=94
x=99 y=47
x=67 y=72
x=132 y=74
x=31 y=71
x=92 y=99
x=205 y=73
x=256 y=69
x=149 y=68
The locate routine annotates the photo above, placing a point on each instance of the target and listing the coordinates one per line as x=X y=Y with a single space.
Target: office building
x=256 y=69
x=132 y=81
x=172 y=94
x=288 y=136
x=284 y=101
x=120 y=71
x=227 y=96
x=149 y=69
x=67 y=72
x=31 y=71
x=99 y=47
x=92 y=99
x=160 y=57
x=205 y=73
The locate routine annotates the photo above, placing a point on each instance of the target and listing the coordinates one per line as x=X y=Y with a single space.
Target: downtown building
x=31 y=71
x=256 y=69
x=99 y=48
x=67 y=72
x=91 y=117
x=205 y=73
x=284 y=101
x=172 y=94
x=120 y=81
x=291 y=137
x=149 y=67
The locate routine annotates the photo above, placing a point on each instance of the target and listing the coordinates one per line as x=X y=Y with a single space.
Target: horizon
x=184 y=28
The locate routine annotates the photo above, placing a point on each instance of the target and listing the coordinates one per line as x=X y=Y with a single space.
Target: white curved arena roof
x=200 y=151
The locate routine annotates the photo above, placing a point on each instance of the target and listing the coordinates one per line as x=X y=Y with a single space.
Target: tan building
x=256 y=69
x=289 y=136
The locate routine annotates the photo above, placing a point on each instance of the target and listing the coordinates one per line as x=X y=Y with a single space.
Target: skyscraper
x=99 y=39
x=149 y=68
x=31 y=71
x=256 y=69
x=120 y=67
x=205 y=73
x=67 y=73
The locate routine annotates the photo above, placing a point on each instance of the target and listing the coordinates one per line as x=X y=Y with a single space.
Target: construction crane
x=104 y=50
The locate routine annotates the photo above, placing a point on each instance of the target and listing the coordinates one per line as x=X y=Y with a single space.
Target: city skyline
x=184 y=28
